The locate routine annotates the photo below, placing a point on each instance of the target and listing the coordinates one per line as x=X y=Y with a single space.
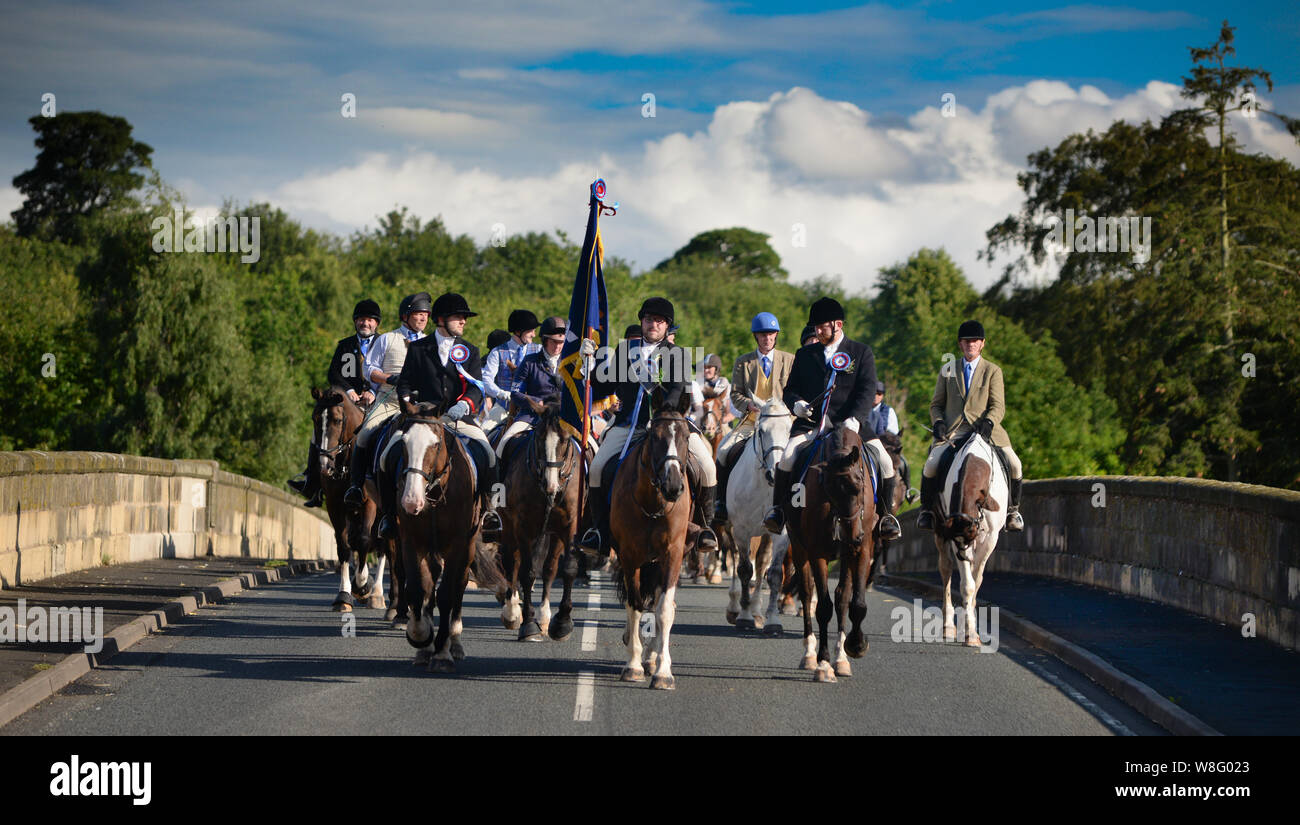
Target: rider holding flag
x=850 y=402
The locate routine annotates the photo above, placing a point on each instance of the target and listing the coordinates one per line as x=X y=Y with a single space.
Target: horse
x=748 y=493
x=544 y=490
x=650 y=508
x=438 y=524
x=335 y=419
x=894 y=447
x=969 y=516
x=713 y=421
x=837 y=519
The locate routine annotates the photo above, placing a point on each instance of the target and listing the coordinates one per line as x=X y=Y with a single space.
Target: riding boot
x=889 y=527
x=491 y=523
x=311 y=488
x=387 y=506
x=708 y=540
x=595 y=542
x=1015 y=523
x=355 y=495
x=720 y=509
x=775 y=519
x=925 y=521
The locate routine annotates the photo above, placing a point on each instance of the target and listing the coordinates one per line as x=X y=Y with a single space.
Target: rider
x=347 y=371
x=710 y=385
x=849 y=403
x=502 y=361
x=757 y=377
x=537 y=378
x=430 y=376
x=970 y=399
x=634 y=359
x=383 y=363
x=884 y=420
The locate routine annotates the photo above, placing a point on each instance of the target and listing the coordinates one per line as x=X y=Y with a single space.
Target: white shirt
x=834 y=346
x=444 y=346
x=642 y=360
x=379 y=348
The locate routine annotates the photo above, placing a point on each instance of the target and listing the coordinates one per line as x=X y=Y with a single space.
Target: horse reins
x=443 y=475
x=654 y=476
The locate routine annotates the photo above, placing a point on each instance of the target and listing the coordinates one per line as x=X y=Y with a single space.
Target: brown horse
x=335 y=419
x=539 y=521
x=713 y=421
x=837 y=520
x=438 y=523
x=650 y=508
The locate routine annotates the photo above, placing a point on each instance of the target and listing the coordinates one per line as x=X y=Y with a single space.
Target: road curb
x=36 y=689
x=1131 y=691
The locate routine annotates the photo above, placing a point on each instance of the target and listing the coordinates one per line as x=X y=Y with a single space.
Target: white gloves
x=458 y=410
x=852 y=424
x=587 y=348
x=801 y=408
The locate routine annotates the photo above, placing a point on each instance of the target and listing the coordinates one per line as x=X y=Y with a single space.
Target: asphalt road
x=274 y=660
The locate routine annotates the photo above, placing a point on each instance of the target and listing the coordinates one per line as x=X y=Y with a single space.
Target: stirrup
x=774 y=521
x=925 y=521
x=707 y=539
x=387 y=527
x=591 y=543
x=890 y=529
x=354 y=497
x=491 y=526
x=298 y=483
x=314 y=501
x=1015 y=522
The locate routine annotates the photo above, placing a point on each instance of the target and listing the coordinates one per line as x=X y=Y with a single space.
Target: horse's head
x=555 y=454
x=771 y=434
x=328 y=420
x=963 y=524
x=428 y=456
x=845 y=475
x=665 y=452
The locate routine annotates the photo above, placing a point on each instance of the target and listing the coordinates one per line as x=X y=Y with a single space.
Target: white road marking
x=586 y=700
x=1087 y=704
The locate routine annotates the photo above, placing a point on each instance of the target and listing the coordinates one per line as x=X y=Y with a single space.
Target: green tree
x=744 y=252
x=86 y=163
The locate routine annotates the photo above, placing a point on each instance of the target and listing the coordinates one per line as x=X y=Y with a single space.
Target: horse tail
x=487 y=568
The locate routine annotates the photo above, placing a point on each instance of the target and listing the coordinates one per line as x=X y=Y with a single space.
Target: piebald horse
x=539 y=521
x=968 y=519
x=749 y=492
x=837 y=520
x=334 y=422
x=438 y=522
x=650 y=508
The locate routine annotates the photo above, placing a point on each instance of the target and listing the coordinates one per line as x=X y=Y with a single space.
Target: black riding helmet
x=657 y=306
x=421 y=302
x=970 y=329
x=451 y=303
x=555 y=325
x=366 y=309
x=521 y=320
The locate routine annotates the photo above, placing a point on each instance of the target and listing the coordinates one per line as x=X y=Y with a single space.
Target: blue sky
x=499 y=112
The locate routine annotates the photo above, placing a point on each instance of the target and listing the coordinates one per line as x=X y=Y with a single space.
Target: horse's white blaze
x=324 y=432
x=672 y=441
x=419 y=439
x=345 y=576
x=552 y=473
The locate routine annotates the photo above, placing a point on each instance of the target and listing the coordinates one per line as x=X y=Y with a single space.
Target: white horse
x=759 y=554
x=966 y=536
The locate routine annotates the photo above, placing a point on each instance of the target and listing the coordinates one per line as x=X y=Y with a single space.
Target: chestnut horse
x=438 y=522
x=837 y=520
x=650 y=508
x=334 y=422
x=539 y=521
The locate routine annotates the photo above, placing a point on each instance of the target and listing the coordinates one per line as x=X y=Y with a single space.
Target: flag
x=588 y=317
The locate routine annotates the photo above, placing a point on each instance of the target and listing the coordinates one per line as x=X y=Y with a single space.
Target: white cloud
x=868 y=196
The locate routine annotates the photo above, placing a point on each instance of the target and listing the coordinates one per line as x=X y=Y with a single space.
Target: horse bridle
x=442 y=476
x=539 y=465
x=838 y=522
x=762 y=456
x=338 y=470
x=962 y=551
x=655 y=472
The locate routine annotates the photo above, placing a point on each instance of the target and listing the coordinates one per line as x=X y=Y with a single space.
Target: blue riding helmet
x=765 y=322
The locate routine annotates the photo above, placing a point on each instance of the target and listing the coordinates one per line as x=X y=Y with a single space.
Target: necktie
x=969 y=369
x=767 y=367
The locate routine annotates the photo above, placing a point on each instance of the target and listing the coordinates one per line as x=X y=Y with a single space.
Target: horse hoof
x=651 y=667
x=842 y=668
x=423 y=656
x=531 y=632
x=950 y=634
x=732 y=615
x=824 y=673
x=561 y=629
x=663 y=682
x=362 y=591
x=808 y=663
x=716 y=578
x=701 y=580
x=390 y=615
x=973 y=640
x=745 y=624
x=631 y=675
x=773 y=629
x=510 y=624
x=442 y=666
x=343 y=602
x=757 y=622
x=856 y=645
x=457 y=651
x=377 y=602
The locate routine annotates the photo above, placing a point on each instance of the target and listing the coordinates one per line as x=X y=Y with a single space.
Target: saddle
x=808 y=453
x=611 y=468
x=945 y=459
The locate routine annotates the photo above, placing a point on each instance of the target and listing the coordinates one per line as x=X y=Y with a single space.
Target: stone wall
x=62 y=512
x=1213 y=548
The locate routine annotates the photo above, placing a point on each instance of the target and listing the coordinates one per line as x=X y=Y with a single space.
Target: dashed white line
x=1088 y=705
x=586 y=699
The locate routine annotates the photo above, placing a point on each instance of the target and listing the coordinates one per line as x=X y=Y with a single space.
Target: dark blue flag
x=588 y=317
